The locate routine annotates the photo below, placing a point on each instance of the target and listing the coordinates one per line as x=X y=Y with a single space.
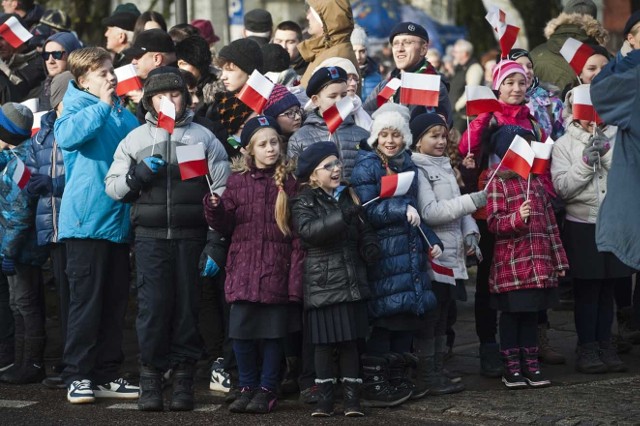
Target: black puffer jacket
x=334 y=268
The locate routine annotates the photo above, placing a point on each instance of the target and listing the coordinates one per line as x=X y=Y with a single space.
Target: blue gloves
x=40 y=184
x=148 y=168
x=8 y=267
x=210 y=268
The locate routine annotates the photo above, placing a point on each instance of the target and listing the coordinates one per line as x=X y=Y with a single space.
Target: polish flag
x=393 y=185
x=582 y=106
x=335 y=115
x=576 y=53
x=481 y=99
x=33 y=104
x=420 y=89
x=256 y=91
x=507 y=34
x=441 y=273
x=128 y=79
x=519 y=157
x=21 y=174
x=191 y=161
x=388 y=91
x=542 y=159
x=167 y=115
x=37 y=118
x=14 y=33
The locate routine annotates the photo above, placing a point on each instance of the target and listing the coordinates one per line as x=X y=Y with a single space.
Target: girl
x=527 y=261
x=441 y=206
x=338 y=241
x=263 y=266
x=285 y=107
x=400 y=287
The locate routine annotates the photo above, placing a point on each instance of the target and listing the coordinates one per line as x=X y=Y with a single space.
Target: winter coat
x=168 y=207
x=335 y=41
x=526 y=255
x=88 y=132
x=469 y=74
x=399 y=283
x=546 y=108
x=548 y=63
x=263 y=265
x=24 y=72
x=334 y=266
x=18 y=239
x=45 y=158
x=314 y=129
x=616 y=98
x=370 y=77
x=446 y=211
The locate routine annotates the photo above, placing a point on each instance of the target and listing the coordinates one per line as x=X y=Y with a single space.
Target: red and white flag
x=420 y=89
x=167 y=115
x=14 y=33
x=128 y=79
x=393 y=185
x=256 y=91
x=191 y=161
x=33 y=104
x=576 y=53
x=507 y=34
x=335 y=115
x=37 y=118
x=441 y=273
x=481 y=99
x=21 y=174
x=582 y=106
x=388 y=91
x=542 y=159
x=519 y=157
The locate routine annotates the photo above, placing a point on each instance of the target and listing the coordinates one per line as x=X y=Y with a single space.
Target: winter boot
x=610 y=358
x=444 y=385
x=239 y=404
x=351 y=397
x=150 y=389
x=399 y=372
x=289 y=382
x=6 y=355
x=14 y=372
x=531 y=368
x=588 y=359
x=490 y=364
x=33 y=366
x=626 y=328
x=512 y=376
x=548 y=354
x=425 y=370
x=377 y=392
x=324 y=408
x=182 y=396
x=263 y=402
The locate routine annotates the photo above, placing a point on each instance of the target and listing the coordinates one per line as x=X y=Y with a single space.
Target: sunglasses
x=332 y=165
x=57 y=55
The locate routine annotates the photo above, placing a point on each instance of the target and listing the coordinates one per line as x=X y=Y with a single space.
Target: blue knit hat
x=68 y=41
x=254 y=124
x=312 y=156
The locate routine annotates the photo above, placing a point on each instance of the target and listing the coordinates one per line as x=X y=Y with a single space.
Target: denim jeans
x=26 y=296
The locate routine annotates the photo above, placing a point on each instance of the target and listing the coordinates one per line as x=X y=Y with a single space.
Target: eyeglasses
x=332 y=165
x=404 y=43
x=353 y=78
x=57 y=55
x=292 y=113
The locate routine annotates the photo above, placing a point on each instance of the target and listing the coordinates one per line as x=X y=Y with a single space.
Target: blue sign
x=236 y=12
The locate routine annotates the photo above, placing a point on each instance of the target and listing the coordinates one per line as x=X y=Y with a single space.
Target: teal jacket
x=88 y=132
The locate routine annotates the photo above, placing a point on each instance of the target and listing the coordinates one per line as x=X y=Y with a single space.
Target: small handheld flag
x=21 y=174
x=441 y=273
x=256 y=91
x=14 y=33
x=507 y=34
x=336 y=114
x=519 y=157
x=420 y=89
x=582 y=105
x=167 y=115
x=576 y=54
x=481 y=99
x=394 y=185
x=192 y=161
x=388 y=91
x=128 y=79
x=542 y=159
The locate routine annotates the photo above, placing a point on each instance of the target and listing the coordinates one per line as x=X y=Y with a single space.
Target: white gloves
x=436 y=252
x=412 y=216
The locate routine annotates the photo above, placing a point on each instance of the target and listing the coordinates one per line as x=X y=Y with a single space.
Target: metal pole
x=181 y=11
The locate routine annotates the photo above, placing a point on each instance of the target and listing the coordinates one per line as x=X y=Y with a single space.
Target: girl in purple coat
x=264 y=262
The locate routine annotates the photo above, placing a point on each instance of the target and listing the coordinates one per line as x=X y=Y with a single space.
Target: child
x=327 y=86
x=338 y=242
x=581 y=162
x=448 y=213
x=285 y=107
x=528 y=259
x=170 y=232
x=263 y=265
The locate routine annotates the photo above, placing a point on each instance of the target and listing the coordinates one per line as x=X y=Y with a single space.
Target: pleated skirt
x=338 y=323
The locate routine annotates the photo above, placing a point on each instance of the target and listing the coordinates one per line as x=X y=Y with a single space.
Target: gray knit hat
x=59 y=85
x=16 y=121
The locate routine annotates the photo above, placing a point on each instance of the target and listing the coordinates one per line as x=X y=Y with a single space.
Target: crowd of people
x=282 y=264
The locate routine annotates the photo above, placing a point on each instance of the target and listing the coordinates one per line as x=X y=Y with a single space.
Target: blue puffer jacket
x=45 y=158
x=17 y=227
x=399 y=282
x=89 y=131
x=371 y=77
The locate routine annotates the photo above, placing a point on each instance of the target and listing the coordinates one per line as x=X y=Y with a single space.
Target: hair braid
x=282 y=212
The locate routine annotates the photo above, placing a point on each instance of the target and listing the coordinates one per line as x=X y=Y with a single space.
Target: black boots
x=399 y=372
x=351 y=397
x=588 y=359
x=7 y=353
x=377 y=391
x=182 y=397
x=430 y=377
x=12 y=373
x=150 y=389
x=324 y=408
x=289 y=382
x=28 y=366
x=490 y=363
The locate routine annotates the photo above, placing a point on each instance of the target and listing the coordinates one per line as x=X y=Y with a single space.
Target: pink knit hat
x=504 y=69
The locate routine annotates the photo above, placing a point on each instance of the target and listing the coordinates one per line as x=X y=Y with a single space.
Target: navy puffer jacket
x=399 y=282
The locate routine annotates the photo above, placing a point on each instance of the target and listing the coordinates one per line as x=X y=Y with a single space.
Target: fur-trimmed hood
x=567 y=23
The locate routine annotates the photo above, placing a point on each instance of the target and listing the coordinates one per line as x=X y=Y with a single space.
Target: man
x=370 y=77
x=27 y=10
x=258 y=26
x=466 y=72
x=119 y=32
x=409 y=43
x=288 y=34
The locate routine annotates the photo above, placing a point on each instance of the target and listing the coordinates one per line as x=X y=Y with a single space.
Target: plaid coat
x=527 y=255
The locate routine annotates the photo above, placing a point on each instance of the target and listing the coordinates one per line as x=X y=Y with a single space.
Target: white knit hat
x=359 y=36
x=391 y=116
x=336 y=61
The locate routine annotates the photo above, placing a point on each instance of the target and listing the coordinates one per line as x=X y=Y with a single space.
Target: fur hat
x=59 y=85
x=16 y=121
x=165 y=79
x=583 y=7
x=254 y=124
x=243 y=53
x=421 y=123
x=313 y=155
x=504 y=69
x=391 y=116
x=194 y=50
x=281 y=99
x=359 y=36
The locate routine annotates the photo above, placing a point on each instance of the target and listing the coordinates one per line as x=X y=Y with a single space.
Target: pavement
x=574 y=398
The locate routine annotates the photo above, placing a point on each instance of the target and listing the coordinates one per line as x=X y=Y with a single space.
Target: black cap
x=631 y=22
x=124 y=20
x=313 y=155
x=324 y=76
x=254 y=124
x=155 y=40
x=258 y=21
x=409 y=28
x=423 y=122
x=244 y=53
x=275 y=58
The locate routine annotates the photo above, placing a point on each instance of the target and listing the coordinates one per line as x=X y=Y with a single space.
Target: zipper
x=168 y=170
x=54 y=160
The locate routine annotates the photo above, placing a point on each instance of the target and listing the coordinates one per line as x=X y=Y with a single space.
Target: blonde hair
x=88 y=59
x=314 y=185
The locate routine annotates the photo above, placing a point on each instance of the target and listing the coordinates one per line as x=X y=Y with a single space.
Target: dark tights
x=518 y=330
x=347 y=360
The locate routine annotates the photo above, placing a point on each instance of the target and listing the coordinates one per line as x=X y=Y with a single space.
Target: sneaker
x=5 y=367
x=80 y=392
x=119 y=388
x=242 y=400
x=220 y=380
x=263 y=402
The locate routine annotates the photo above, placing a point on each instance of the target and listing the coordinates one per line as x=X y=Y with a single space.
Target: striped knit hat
x=504 y=69
x=16 y=121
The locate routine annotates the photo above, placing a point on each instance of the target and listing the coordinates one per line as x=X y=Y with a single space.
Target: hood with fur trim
x=581 y=27
x=391 y=116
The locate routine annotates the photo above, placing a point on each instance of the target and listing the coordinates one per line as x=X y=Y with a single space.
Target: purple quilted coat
x=263 y=265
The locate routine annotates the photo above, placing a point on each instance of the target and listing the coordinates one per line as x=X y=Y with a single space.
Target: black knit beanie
x=194 y=50
x=275 y=58
x=244 y=53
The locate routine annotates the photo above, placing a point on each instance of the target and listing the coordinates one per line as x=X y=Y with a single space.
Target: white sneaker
x=80 y=392
x=220 y=380
x=119 y=388
x=4 y=368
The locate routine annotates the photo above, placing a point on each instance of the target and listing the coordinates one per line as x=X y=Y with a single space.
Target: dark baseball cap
x=155 y=40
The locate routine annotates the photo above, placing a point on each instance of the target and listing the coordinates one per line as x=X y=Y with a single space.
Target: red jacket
x=527 y=255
